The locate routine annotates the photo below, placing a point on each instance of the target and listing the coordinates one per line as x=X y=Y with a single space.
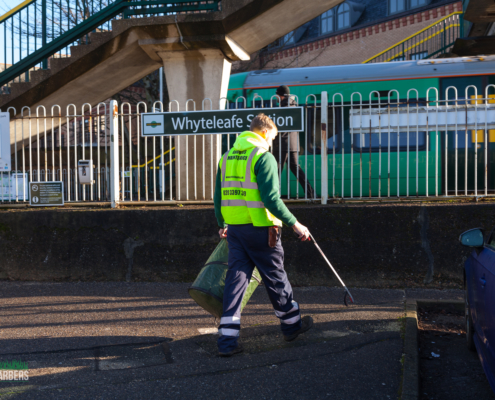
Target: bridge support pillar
x=196 y=75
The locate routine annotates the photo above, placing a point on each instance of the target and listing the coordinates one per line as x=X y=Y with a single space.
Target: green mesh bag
x=207 y=289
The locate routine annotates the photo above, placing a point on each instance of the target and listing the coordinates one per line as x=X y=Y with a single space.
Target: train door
x=309 y=156
x=467 y=160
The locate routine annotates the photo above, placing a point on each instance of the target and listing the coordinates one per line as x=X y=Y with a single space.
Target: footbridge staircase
x=77 y=46
x=434 y=41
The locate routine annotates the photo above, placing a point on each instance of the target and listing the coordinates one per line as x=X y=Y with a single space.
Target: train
x=420 y=163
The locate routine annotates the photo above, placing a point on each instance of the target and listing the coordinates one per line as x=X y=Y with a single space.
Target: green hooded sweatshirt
x=266 y=170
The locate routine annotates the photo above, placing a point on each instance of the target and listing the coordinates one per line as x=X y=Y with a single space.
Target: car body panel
x=471 y=267
x=480 y=282
x=487 y=263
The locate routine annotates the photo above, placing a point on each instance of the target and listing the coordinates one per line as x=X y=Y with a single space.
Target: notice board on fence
x=13 y=187
x=46 y=194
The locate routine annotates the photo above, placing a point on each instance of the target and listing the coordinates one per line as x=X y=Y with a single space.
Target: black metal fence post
x=43 y=29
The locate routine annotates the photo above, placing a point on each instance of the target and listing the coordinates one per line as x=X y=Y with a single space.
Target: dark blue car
x=479 y=284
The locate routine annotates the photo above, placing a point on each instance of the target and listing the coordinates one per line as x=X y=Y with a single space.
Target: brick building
x=356 y=31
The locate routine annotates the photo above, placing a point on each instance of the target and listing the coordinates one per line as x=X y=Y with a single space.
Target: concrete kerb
x=410 y=377
x=331 y=202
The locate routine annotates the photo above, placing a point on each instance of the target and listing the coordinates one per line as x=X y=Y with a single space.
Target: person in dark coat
x=290 y=147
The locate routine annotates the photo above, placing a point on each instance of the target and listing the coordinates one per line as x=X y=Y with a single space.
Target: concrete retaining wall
x=372 y=246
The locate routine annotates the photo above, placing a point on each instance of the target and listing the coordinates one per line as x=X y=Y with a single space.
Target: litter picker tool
x=335 y=272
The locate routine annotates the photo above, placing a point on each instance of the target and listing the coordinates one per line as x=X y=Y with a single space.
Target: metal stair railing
x=437 y=38
x=37 y=30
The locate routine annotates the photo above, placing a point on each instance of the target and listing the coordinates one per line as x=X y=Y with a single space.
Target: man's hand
x=222 y=233
x=301 y=231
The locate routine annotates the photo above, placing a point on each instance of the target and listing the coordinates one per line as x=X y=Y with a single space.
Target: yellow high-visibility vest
x=241 y=199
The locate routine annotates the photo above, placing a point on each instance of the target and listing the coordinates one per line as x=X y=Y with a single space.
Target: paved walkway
x=150 y=340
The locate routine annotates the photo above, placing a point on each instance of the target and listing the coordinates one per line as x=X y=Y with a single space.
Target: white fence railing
x=382 y=145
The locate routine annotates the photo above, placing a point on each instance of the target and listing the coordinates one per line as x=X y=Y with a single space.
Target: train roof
x=435 y=68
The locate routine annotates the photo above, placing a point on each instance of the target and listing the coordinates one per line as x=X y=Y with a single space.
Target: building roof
x=375 y=12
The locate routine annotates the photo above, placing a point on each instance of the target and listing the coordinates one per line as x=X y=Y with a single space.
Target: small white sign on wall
x=5 y=157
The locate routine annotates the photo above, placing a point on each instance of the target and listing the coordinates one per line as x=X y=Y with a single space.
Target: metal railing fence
x=39 y=30
x=47 y=144
x=437 y=38
x=442 y=147
x=390 y=145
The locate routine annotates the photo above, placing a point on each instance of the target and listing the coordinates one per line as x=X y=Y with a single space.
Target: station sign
x=5 y=157
x=46 y=194
x=287 y=119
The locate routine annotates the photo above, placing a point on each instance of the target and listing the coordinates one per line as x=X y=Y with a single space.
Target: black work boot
x=238 y=349
x=307 y=324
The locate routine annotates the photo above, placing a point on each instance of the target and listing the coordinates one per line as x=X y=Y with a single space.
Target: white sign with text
x=5 y=158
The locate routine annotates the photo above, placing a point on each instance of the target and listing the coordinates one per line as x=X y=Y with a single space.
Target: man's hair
x=261 y=122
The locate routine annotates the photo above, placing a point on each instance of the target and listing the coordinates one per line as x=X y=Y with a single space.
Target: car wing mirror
x=472 y=238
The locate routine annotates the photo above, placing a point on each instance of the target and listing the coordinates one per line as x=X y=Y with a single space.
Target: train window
x=330 y=143
x=233 y=105
x=363 y=141
x=313 y=132
x=471 y=138
x=262 y=104
x=419 y=56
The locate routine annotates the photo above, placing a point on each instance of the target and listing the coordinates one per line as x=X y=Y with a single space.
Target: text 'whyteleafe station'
x=287 y=119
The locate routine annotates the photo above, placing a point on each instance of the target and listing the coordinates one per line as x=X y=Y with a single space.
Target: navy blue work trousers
x=248 y=247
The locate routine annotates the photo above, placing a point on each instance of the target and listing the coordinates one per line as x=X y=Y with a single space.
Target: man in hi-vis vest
x=250 y=212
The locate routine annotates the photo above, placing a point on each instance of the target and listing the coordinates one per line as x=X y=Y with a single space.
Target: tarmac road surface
x=150 y=340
